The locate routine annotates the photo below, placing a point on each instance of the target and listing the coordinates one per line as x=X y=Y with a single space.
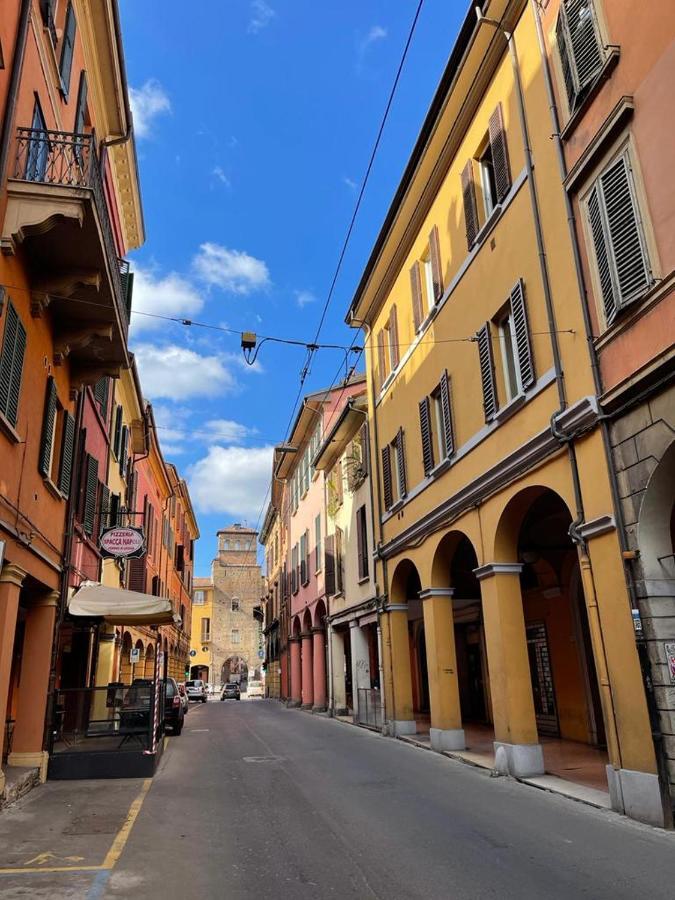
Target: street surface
x=255 y=801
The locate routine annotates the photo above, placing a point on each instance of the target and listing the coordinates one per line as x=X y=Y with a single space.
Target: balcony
x=58 y=223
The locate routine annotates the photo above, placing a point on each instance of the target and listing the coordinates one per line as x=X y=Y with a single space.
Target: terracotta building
x=609 y=66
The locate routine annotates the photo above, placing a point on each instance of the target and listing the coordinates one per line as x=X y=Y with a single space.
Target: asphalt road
x=255 y=801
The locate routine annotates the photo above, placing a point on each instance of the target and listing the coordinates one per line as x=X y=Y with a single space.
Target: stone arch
x=149 y=665
x=307 y=621
x=319 y=614
x=519 y=506
x=125 y=658
x=405 y=583
x=656 y=524
x=296 y=627
x=450 y=545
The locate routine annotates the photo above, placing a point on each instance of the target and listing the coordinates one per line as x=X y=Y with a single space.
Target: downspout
x=375 y=467
x=123 y=138
x=657 y=735
x=13 y=87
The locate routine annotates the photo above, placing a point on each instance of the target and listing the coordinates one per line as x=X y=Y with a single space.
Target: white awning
x=120 y=607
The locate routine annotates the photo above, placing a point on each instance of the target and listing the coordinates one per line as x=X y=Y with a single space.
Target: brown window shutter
x=447 y=415
x=359 y=541
x=90 y=494
x=470 y=211
x=365 y=449
x=330 y=564
x=500 y=153
x=393 y=336
x=416 y=288
x=381 y=358
x=136 y=575
x=402 y=480
x=523 y=345
x=425 y=430
x=386 y=477
x=436 y=268
x=487 y=372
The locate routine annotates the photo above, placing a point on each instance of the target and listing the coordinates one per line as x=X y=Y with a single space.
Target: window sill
x=608 y=67
x=488 y=225
x=8 y=429
x=628 y=314
x=364 y=579
x=52 y=488
x=505 y=412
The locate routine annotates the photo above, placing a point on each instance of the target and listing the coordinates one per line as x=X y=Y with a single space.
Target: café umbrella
x=119 y=607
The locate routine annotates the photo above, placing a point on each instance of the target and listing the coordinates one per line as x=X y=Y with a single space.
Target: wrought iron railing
x=69 y=159
x=369 y=707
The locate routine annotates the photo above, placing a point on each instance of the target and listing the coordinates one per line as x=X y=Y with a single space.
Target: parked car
x=174 y=714
x=231 y=691
x=255 y=689
x=196 y=690
x=183 y=696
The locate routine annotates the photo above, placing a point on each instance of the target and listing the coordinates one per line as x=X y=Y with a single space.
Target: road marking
x=45 y=857
x=123 y=834
x=198 y=730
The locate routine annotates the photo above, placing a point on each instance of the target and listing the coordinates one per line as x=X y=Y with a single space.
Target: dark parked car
x=174 y=714
x=231 y=691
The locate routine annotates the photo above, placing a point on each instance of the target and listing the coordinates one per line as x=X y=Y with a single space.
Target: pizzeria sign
x=122 y=542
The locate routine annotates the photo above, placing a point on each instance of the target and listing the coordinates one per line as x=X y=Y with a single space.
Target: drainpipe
x=13 y=87
x=645 y=668
x=123 y=138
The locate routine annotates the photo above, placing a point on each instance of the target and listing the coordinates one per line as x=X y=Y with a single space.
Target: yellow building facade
x=507 y=623
x=200 y=636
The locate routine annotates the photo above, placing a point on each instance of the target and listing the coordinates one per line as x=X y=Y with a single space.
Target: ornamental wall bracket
x=78 y=340
x=64 y=284
x=576 y=420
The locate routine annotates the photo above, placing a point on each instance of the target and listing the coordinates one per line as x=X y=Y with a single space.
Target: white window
x=235 y=636
x=487 y=180
x=437 y=426
x=429 y=282
x=198 y=599
x=507 y=344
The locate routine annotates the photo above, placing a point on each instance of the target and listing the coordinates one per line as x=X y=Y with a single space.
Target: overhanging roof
x=118 y=607
x=346 y=426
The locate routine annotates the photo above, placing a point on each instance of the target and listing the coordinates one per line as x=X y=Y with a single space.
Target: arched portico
x=319 y=657
x=295 y=663
x=126 y=673
x=398 y=681
x=307 y=678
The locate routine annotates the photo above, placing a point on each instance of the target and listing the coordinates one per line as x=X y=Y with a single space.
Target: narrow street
x=254 y=800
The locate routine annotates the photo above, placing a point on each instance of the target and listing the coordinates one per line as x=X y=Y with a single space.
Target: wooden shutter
x=416 y=289
x=500 y=153
x=11 y=365
x=609 y=299
x=66 y=63
x=48 y=420
x=136 y=575
x=330 y=564
x=522 y=332
x=117 y=432
x=470 y=210
x=104 y=508
x=583 y=42
x=629 y=264
x=425 y=430
x=446 y=409
x=90 y=489
x=565 y=59
x=303 y=562
x=436 y=267
x=359 y=541
x=393 y=336
x=381 y=357
x=365 y=449
x=487 y=372
x=101 y=395
x=339 y=581
x=124 y=444
x=67 y=447
x=81 y=111
x=402 y=480
x=386 y=477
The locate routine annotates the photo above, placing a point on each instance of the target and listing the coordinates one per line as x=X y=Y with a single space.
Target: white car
x=255 y=689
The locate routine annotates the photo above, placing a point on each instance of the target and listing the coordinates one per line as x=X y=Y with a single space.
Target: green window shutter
x=124 y=445
x=487 y=372
x=128 y=291
x=117 y=432
x=101 y=395
x=91 y=489
x=436 y=267
x=48 y=421
x=470 y=210
x=330 y=564
x=500 y=153
x=104 y=509
x=425 y=430
x=446 y=409
x=66 y=64
x=416 y=289
x=522 y=331
x=386 y=477
x=11 y=364
x=81 y=110
x=67 y=447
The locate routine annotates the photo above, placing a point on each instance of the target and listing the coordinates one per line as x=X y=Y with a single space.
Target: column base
x=447 y=739
x=637 y=795
x=292 y=704
x=340 y=711
x=320 y=709
x=519 y=760
x=306 y=706
x=38 y=760
x=403 y=726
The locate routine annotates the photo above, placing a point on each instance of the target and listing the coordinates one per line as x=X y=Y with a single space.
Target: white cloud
x=166 y=295
x=177 y=373
x=232 y=270
x=218 y=173
x=171 y=422
x=303 y=298
x=148 y=102
x=225 y=431
x=376 y=33
x=231 y=480
x=351 y=184
x=261 y=16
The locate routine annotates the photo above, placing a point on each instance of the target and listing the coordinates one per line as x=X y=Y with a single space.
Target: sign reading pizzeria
x=122 y=542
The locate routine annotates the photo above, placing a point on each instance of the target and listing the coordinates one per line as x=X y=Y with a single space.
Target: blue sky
x=254 y=124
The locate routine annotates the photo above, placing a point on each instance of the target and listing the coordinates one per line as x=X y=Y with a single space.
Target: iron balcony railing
x=69 y=159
